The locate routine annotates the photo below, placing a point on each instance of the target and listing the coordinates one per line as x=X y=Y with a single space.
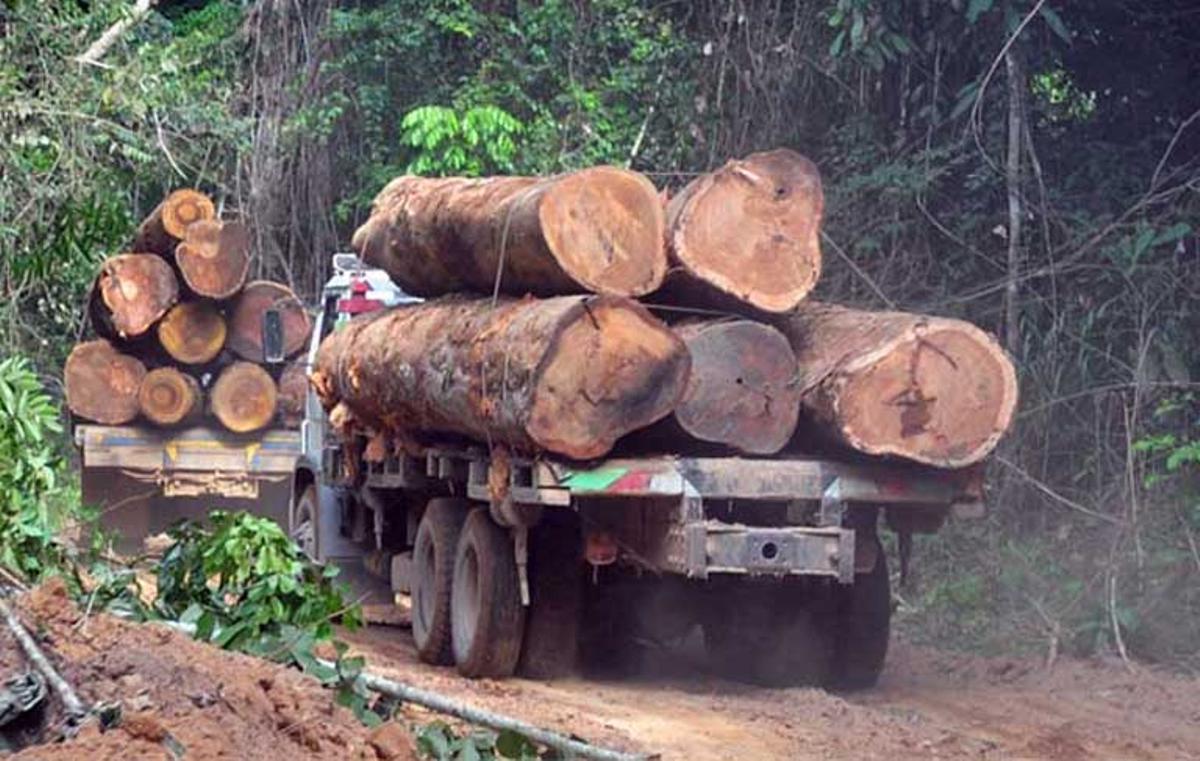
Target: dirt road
x=928 y=705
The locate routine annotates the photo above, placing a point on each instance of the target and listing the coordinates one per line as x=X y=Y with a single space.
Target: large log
x=748 y=232
x=244 y=397
x=570 y=374
x=160 y=232
x=929 y=389
x=130 y=294
x=246 y=319
x=101 y=384
x=214 y=258
x=742 y=390
x=168 y=397
x=192 y=332
x=598 y=230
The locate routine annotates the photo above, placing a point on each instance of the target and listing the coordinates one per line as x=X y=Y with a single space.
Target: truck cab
x=525 y=564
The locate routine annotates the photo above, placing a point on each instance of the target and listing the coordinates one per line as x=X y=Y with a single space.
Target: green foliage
x=481 y=140
x=439 y=741
x=243 y=580
x=29 y=473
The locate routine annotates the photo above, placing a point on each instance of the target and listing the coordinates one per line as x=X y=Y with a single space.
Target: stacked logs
x=179 y=330
x=555 y=353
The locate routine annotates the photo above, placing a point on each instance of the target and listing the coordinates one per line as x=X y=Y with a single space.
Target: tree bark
x=214 y=258
x=748 y=233
x=293 y=390
x=130 y=294
x=569 y=375
x=933 y=390
x=192 y=332
x=598 y=230
x=161 y=232
x=1012 y=179
x=742 y=389
x=168 y=397
x=101 y=384
x=244 y=397
x=246 y=319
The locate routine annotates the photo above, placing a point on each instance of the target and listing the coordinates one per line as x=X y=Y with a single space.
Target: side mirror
x=272 y=337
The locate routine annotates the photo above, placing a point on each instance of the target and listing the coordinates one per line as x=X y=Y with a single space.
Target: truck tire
x=433 y=574
x=304 y=522
x=487 y=618
x=767 y=635
x=861 y=623
x=550 y=648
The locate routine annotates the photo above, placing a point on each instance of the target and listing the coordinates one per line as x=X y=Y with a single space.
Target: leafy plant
x=29 y=467
x=438 y=740
x=244 y=580
x=481 y=139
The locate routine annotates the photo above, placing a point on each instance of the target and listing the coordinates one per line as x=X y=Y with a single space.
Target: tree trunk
x=598 y=230
x=293 y=390
x=929 y=389
x=742 y=390
x=192 y=332
x=101 y=384
x=214 y=257
x=246 y=319
x=748 y=233
x=169 y=397
x=131 y=293
x=570 y=375
x=244 y=397
x=160 y=232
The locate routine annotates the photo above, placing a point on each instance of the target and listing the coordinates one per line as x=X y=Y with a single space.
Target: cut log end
x=214 y=258
x=185 y=207
x=101 y=384
x=751 y=229
x=246 y=319
x=605 y=228
x=742 y=391
x=134 y=291
x=612 y=369
x=193 y=332
x=943 y=398
x=168 y=397
x=244 y=398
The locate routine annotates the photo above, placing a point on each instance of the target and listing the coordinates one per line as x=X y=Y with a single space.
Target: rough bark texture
x=131 y=293
x=160 y=232
x=214 y=257
x=749 y=232
x=570 y=375
x=293 y=389
x=598 y=230
x=742 y=391
x=246 y=318
x=101 y=384
x=192 y=332
x=244 y=397
x=168 y=397
x=930 y=389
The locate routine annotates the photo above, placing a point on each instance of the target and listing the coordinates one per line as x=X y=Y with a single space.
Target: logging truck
x=525 y=565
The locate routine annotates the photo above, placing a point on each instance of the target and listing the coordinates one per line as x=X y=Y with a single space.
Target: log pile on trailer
x=732 y=353
x=180 y=331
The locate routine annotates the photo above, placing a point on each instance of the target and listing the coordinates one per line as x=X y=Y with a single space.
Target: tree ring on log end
x=192 y=332
x=601 y=225
x=167 y=396
x=136 y=289
x=612 y=368
x=943 y=397
x=751 y=229
x=101 y=384
x=214 y=258
x=244 y=397
x=183 y=208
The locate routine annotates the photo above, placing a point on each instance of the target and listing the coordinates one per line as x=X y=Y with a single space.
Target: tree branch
x=96 y=51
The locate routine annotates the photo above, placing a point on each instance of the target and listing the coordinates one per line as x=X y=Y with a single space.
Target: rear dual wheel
x=487 y=618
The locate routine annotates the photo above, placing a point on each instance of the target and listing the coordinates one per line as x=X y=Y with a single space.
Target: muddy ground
x=929 y=705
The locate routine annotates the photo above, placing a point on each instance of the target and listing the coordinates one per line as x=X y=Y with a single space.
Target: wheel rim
x=467 y=602
x=304 y=533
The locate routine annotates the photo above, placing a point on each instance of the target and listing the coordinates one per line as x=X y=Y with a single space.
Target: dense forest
x=1031 y=166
